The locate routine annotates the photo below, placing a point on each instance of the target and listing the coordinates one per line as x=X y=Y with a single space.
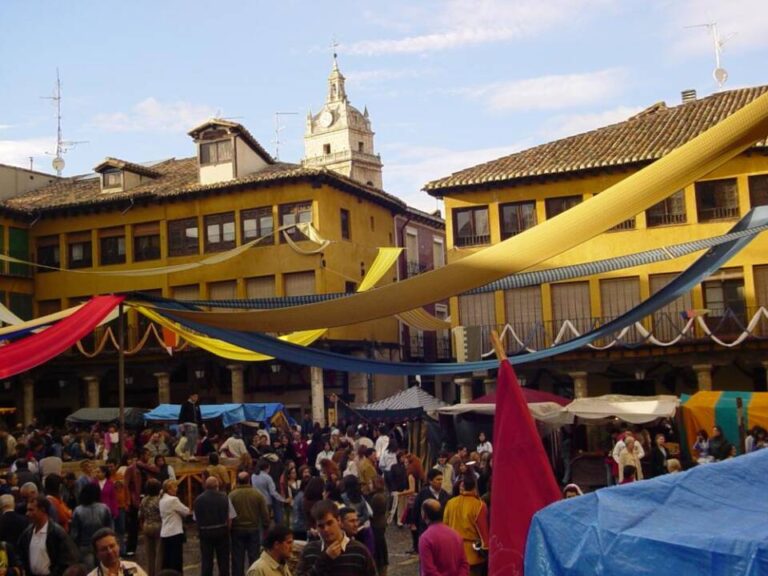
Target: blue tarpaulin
x=712 y=519
x=230 y=414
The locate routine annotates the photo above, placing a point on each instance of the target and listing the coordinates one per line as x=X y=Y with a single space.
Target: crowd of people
x=266 y=492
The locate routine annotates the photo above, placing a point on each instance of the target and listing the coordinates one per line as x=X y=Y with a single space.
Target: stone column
x=358 y=381
x=318 y=395
x=163 y=387
x=92 y=384
x=580 y=388
x=238 y=388
x=703 y=375
x=490 y=385
x=465 y=389
x=28 y=385
x=438 y=387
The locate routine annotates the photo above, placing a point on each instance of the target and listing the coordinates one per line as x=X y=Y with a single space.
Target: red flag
x=523 y=481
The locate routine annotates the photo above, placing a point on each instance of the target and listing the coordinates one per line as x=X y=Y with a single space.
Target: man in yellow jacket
x=468 y=515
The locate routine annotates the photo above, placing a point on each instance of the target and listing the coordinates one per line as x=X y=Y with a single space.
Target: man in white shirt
x=382 y=441
x=44 y=547
x=107 y=552
x=233 y=447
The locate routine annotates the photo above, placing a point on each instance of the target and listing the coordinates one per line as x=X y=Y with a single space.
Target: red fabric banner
x=41 y=347
x=523 y=481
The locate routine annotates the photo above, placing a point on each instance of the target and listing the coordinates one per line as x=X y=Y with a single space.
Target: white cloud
x=363 y=78
x=5 y=126
x=151 y=115
x=744 y=19
x=17 y=152
x=472 y=22
x=410 y=167
x=570 y=124
x=550 y=92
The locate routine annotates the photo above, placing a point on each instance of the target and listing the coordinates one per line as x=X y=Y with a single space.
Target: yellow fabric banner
x=383 y=262
x=423 y=320
x=633 y=195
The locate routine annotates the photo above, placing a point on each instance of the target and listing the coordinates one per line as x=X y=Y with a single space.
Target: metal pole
x=121 y=374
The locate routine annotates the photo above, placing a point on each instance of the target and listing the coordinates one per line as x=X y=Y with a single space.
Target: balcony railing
x=670 y=219
x=417 y=345
x=718 y=213
x=474 y=240
x=626 y=225
x=664 y=326
x=415 y=268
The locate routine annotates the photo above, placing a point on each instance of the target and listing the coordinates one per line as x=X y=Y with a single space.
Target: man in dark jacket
x=213 y=514
x=191 y=420
x=12 y=523
x=433 y=490
x=44 y=547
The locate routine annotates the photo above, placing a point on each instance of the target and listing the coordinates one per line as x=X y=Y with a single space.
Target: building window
x=555 y=206
x=112 y=179
x=517 y=217
x=758 y=190
x=112 y=246
x=725 y=302
x=345 y=224
x=667 y=212
x=438 y=253
x=79 y=250
x=258 y=223
x=360 y=147
x=219 y=232
x=350 y=287
x=299 y=283
x=48 y=252
x=326 y=148
x=291 y=214
x=183 y=237
x=412 y=252
x=260 y=287
x=146 y=241
x=215 y=152
x=470 y=226
x=717 y=200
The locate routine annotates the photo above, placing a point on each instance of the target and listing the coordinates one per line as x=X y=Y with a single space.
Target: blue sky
x=448 y=84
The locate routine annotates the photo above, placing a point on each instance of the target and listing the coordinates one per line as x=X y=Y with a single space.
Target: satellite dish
x=720 y=75
x=58 y=164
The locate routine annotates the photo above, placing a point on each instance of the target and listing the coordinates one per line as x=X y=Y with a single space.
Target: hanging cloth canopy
x=39 y=348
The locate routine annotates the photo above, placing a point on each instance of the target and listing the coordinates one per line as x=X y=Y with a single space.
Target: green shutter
x=21 y=305
x=18 y=241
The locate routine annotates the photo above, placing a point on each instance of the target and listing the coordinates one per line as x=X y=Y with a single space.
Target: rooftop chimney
x=688 y=96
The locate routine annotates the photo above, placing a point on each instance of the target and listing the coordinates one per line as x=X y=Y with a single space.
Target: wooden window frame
x=180 y=243
x=216 y=152
x=474 y=239
x=295 y=210
x=219 y=222
x=520 y=217
x=559 y=204
x=257 y=215
x=714 y=204
x=346 y=227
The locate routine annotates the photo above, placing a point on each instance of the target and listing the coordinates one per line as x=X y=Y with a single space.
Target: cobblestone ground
x=399 y=540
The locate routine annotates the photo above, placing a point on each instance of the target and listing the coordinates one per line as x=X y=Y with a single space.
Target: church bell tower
x=340 y=138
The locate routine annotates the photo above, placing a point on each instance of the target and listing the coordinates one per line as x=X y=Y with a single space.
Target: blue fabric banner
x=703 y=267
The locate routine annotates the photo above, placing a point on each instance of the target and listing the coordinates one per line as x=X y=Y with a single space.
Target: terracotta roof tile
x=110 y=162
x=178 y=178
x=642 y=139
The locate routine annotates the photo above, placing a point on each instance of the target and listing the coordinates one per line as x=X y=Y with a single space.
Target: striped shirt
x=353 y=561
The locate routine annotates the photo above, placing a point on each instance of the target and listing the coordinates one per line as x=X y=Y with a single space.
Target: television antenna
x=62 y=146
x=720 y=74
x=279 y=128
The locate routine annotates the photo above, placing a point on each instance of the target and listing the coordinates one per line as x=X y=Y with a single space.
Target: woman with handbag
x=149 y=526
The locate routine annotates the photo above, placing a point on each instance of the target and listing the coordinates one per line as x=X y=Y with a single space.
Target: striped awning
x=409 y=399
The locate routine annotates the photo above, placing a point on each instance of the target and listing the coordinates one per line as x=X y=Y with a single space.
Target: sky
x=448 y=84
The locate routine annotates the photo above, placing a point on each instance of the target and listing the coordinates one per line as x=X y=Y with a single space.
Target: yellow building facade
x=488 y=203
x=129 y=216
